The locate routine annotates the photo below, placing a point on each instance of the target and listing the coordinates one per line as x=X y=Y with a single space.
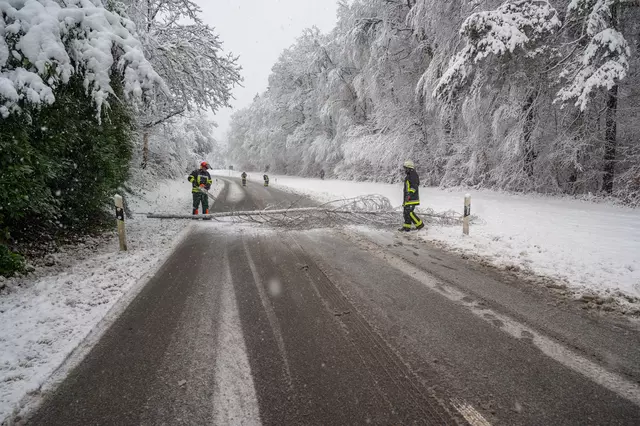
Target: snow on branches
x=361 y=102
x=187 y=54
x=604 y=61
x=42 y=44
x=514 y=26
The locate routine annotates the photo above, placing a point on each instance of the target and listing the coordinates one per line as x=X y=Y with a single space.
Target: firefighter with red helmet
x=200 y=179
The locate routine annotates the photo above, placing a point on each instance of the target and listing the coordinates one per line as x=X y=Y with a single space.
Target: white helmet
x=409 y=165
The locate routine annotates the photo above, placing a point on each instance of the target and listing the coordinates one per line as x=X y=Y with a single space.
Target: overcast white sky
x=258 y=31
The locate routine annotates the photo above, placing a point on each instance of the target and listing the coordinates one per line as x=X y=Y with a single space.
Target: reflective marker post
x=120 y=219
x=467 y=213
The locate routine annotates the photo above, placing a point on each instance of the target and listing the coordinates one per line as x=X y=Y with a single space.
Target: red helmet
x=205 y=165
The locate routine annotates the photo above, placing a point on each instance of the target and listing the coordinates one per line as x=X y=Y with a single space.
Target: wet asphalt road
x=331 y=327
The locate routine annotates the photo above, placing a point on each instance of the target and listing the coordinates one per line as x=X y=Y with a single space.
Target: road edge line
x=554 y=350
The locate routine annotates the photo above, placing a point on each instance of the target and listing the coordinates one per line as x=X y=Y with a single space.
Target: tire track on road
x=399 y=382
x=268 y=308
x=548 y=346
x=234 y=397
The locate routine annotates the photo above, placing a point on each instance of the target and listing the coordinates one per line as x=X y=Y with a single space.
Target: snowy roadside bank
x=47 y=314
x=592 y=248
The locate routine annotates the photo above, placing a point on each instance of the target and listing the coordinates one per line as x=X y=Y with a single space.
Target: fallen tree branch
x=373 y=210
x=253 y=213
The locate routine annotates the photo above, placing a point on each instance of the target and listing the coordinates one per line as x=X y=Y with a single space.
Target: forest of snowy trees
x=91 y=91
x=530 y=95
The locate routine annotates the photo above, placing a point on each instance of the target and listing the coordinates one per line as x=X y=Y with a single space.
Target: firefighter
x=411 y=197
x=244 y=178
x=266 y=180
x=200 y=179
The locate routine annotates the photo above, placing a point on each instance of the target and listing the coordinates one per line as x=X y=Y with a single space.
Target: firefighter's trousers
x=410 y=217
x=198 y=198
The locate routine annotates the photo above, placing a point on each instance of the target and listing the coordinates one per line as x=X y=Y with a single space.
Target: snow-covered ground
x=46 y=315
x=591 y=247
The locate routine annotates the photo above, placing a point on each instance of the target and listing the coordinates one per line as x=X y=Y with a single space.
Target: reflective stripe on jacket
x=411 y=195
x=200 y=177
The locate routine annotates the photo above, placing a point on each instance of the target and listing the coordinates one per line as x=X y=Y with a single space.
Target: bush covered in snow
x=44 y=43
x=60 y=167
x=66 y=131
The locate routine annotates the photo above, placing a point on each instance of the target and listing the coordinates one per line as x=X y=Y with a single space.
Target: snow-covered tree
x=602 y=57
x=514 y=32
x=600 y=61
x=522 y=95
x=189 y=57
x=44 y=43
x=178 y=148
x=506 y=49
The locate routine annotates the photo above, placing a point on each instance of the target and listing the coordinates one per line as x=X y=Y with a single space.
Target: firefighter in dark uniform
x=200 y=179
x=266 y=180
x=411 y=197
x=244 y=178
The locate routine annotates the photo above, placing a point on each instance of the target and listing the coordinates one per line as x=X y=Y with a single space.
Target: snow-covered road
x=591 y=247
x=268 y=327
x=248 y=325
x=51 y=311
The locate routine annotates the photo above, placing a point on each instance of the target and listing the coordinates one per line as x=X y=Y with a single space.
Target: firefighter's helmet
x=409 y=165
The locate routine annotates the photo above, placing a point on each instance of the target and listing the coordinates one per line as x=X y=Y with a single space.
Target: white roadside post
x=467 y=213
x=120 y=219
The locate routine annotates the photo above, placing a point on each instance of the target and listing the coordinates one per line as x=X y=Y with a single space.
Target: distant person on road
x=411 y=197
x=200 y=179
x=266 y=180
x=244 y=178
x=322 y=174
